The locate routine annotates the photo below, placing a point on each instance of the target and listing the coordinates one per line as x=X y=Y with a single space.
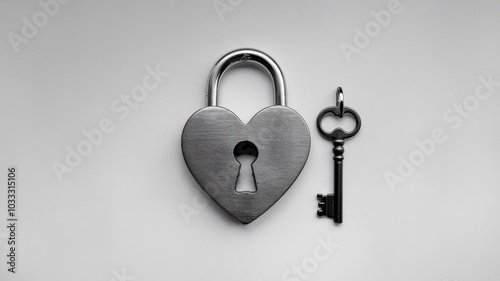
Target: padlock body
x=282 y=139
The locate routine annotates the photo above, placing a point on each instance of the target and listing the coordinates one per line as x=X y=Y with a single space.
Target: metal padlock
x=277 y=135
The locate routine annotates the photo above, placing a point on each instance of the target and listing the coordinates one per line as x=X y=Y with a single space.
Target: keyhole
x=246 y=153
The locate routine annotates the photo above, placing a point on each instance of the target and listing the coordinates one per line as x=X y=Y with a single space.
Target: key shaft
x=338 y=158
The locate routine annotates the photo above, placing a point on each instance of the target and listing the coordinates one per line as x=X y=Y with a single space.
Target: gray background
x=119 y=212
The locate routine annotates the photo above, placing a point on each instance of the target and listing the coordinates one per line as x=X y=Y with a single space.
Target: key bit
x=330 y=205
x=325 y=204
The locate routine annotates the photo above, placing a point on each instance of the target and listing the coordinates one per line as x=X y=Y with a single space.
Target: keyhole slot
x=246 y=153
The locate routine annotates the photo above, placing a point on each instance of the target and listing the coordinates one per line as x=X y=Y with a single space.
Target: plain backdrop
x=130 y=210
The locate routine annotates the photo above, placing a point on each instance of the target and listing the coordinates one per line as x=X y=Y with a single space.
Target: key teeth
x=321 y=204
x=320 y=197
x=325 y=204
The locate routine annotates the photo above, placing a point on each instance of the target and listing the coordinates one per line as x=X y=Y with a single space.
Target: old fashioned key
x=330 y=205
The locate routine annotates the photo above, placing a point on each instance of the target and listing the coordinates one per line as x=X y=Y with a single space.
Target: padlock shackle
x=246 y=55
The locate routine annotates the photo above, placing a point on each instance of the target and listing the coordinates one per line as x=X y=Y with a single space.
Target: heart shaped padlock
x=277 y=135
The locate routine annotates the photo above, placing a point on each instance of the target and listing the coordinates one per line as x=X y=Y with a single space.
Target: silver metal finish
x=212 y=135
x=340 y=101
x=246 y=55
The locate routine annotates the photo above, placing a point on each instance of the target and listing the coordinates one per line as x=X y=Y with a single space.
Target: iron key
x=331 y=204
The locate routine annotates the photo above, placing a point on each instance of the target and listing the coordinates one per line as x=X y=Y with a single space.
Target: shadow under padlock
x=277 y=136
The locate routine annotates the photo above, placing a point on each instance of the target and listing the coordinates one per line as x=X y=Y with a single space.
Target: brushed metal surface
x=212 y=135
x=283 y=141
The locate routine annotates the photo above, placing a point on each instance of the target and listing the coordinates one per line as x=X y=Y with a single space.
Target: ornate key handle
x=331 y=204
x=339 y=110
